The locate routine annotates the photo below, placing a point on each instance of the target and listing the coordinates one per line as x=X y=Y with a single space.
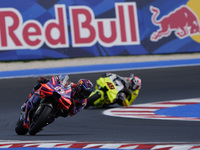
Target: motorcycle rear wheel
x=19 y=128
x=41 y=120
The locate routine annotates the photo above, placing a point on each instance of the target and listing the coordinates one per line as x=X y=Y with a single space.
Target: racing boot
x=41 y=80
x=33 y=102
x=23 y=107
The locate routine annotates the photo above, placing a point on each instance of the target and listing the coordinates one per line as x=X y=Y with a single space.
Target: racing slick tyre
x=19 y=128
x=92 y=99
x=41 y=119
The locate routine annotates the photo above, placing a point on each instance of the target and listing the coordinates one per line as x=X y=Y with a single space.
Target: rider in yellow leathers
x=112 y=88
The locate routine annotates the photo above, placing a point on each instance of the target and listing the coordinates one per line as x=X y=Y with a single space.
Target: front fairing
x=63 y=91
x=60 y=89
x=112 y=90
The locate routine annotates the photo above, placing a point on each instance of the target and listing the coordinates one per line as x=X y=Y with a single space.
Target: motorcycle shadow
x=52 y=135
x=56 y=135
x=102 y=108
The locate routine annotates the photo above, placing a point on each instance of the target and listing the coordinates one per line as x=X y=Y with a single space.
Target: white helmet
x=135 y=83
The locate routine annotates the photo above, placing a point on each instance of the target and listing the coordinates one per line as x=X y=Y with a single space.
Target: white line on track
x=147 y=111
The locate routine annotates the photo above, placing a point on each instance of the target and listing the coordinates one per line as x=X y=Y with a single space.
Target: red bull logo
x=86 y=30
x=182 y=21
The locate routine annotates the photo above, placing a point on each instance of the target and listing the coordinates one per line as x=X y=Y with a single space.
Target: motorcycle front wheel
x=42 y=117
x=92 y=99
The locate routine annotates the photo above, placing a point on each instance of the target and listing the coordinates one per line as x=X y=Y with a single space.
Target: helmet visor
x=85 y=92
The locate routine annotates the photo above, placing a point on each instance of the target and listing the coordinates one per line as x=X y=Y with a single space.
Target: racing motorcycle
x=49 y=106
x=106 y=92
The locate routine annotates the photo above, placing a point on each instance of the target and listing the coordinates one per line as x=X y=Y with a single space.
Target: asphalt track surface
x=91 y=125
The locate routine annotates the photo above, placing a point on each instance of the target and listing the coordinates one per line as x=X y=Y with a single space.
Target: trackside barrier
x=98 y=68
x=73 y=28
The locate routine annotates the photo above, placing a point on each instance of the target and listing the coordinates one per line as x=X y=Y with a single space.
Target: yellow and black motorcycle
x=107 y=90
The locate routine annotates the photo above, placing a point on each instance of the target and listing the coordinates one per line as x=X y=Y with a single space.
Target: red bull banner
x=35 y=29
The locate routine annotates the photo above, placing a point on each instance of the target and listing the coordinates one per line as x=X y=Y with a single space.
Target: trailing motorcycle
x=48 y=108
x=112 y=88
x=106 y=91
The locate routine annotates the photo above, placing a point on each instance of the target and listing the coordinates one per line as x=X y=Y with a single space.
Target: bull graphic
x=183 y=21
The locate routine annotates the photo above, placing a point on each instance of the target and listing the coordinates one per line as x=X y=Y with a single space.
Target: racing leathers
x=126 y=95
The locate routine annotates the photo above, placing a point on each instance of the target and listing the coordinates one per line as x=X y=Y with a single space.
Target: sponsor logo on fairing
x=85 y=28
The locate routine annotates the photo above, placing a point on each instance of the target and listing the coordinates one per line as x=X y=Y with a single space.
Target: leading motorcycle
x=48 y=108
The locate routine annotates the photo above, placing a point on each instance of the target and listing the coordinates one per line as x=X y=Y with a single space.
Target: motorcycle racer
x=126 y=90
x=79 y=93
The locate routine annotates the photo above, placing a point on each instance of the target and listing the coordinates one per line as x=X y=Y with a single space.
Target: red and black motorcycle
x=58 y=99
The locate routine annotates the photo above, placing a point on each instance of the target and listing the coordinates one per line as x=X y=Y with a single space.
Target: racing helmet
x=135 y=83
x=84 y=88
